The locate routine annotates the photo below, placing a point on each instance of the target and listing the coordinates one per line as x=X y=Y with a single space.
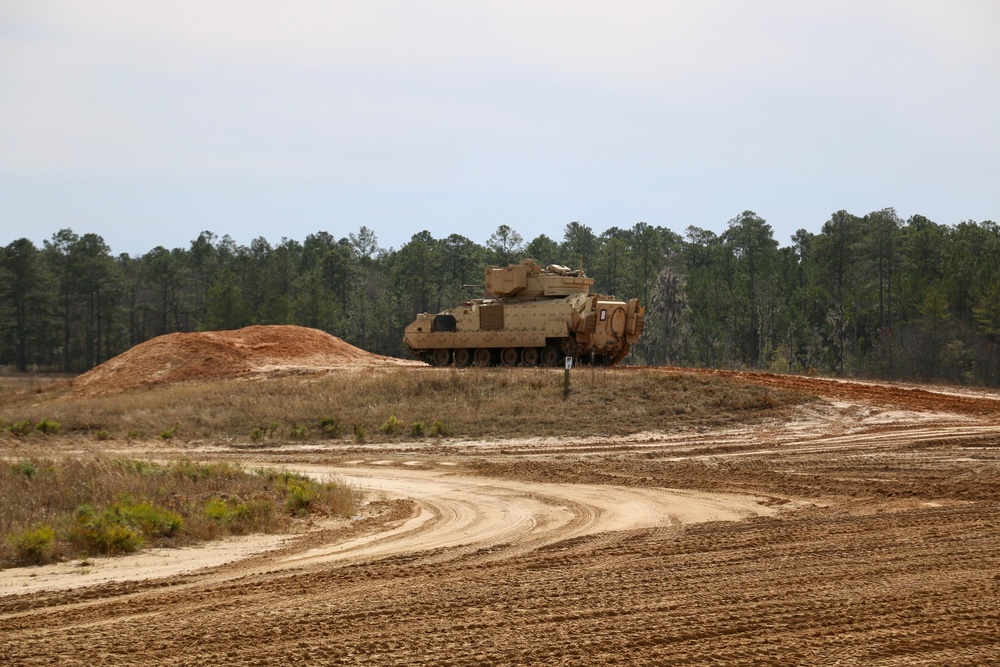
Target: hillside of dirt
x=225 y=355
x=861 y=529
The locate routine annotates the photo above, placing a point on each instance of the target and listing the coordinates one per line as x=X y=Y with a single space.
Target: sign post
x=569 y=365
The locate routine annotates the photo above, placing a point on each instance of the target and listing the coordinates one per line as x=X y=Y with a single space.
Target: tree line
x=866 y=296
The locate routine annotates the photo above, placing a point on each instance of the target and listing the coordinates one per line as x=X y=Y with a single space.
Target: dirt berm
x=222 y=355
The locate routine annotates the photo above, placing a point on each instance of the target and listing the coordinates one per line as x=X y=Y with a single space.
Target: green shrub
x=137 y=467
x=169 y=433
x=27 y=468
x=101 y=434
x=123 y=527
x=218 y=509
x=256 y=434
x=272 y=428
x=151 y=520
x=238 y=517
x=391 y=425
x=440 y=428
x=418 y=429
x=48 y=427
x=34 y=546
x=272 y=475
x=103 y=533
x=20 y=428
x=114 y=538
x=330 y=427
x=360 y=431
x=132 y=435
x=301 y=493
x=298 y=432
x=252 y=514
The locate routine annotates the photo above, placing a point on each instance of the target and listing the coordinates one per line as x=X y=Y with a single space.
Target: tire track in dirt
x=465 y=515
x=456 y=517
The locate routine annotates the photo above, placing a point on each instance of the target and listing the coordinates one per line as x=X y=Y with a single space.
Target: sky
x=149 y=122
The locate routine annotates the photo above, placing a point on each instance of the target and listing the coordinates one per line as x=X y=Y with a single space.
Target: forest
x=867 y=296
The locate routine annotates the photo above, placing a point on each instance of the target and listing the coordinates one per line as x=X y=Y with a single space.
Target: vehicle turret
x=528 y=280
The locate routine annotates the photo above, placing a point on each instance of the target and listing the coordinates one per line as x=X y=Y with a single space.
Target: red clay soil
x=956 y=401
x=222 y=355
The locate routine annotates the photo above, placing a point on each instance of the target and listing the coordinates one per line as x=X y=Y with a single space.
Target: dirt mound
x=220 y=355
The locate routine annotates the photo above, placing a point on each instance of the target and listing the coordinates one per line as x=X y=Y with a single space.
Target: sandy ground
x=864 y=531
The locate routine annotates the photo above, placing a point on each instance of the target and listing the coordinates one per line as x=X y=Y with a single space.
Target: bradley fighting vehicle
x=535 y=316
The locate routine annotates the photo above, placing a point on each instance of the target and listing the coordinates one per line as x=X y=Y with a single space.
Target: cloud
x=574 y=100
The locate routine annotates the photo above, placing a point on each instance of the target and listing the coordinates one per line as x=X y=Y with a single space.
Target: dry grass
x=12 y=381
x=467 y=403
x=51 y=510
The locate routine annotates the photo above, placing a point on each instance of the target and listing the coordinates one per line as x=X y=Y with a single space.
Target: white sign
x=569 y=363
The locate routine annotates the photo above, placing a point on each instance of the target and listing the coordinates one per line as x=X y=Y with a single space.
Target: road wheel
x=508 y=357
x=529 y=356
x=551 y=356
x=442 y=357
x=482 y=357
x=462 y=357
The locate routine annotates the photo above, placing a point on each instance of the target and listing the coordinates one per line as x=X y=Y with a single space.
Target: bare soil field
x=859 y=529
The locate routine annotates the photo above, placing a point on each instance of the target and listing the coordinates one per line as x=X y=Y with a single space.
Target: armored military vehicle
x=532 y=316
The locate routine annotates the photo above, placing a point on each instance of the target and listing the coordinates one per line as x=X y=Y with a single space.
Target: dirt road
x=452 y=515
x=864 y=531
